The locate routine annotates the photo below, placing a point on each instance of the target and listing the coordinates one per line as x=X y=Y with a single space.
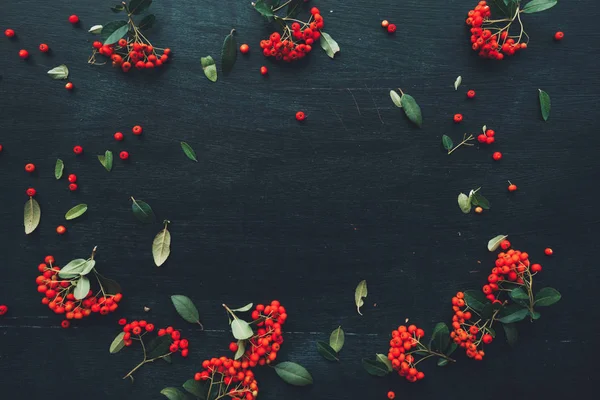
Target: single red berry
x=137 y=130
x=30 y=192
x=385 y=23
x=77 y=149
x=44 y=48
x=123 y=155
x=3 y=309
x=1 y=148
x=471 y=94
x=512 y=187
x=505 y=244
x=61 y=230
x=122 y=42
x=29 y=167
x=97 y=45
x=458 y=118
x=72 y=178
x=74 y=19
x=490 y=140
x=536 y=268
x=233 y=346
x=548 y=251
x=9 y=33
x=149 y=327
x=244 y=49
x=481 y=138
x=118 y=136
x=314 y=10
x=122 y=321
x=69 y=86
x=300 y=116
x=490 y=133
x=391 y=28
x=65 y=324
x=559 y=36
x=24 y=54
x=264 y=70
x=391 y=395
x=73 y=187
x=497 y=156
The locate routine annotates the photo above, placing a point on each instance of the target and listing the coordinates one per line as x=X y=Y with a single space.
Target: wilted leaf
x=464 y=203
x=209 y=68
x=396 y=98
x=161 y=246
x=457 y=82
x=96 y=29
x=360 y=292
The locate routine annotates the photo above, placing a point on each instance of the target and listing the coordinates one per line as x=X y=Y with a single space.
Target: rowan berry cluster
x=297 y=40
x=489 y=38
x=466 y=333
x=135 y=330
x=401 y=353
x=233 y=378
x=487 y=137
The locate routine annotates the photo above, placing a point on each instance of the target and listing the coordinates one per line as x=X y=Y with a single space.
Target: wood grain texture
x=300 y=212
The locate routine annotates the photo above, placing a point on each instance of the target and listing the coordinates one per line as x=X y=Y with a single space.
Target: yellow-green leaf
x=31 y=215
x=329 y=45
x=59 y=168
x=360 y=292
x=76 y=211
x=209 y=68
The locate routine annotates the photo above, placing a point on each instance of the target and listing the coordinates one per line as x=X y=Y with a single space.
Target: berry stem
x=464 y=142
x=281 y=6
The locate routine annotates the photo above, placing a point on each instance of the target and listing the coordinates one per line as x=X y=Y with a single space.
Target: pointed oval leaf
x=336 y=339
x=106 y=160
x=209 y=68
x=117 y=344
x=385 y=360
x=159 y=346
x=96 y=29
x=326 y=351
x=360 y=292
x=447 y=142
x=142 y=211
x=494 y=242
x=464 y=203
x=172 y=393
x=195 y=388
x=516 y=316
x=73 y=268
x=82 y=288
x=329 y=45
x=186 y=308
x=116 y=35
x=263 y=8
x=88 y=267
x=476 y=300
x=147 y=22
x=161 y=247
x=457 y=82
x=76 y=211
x=375 y=367
x=59 y=167
x=477 y=199
x=545 y=104
x=241 y=349
x=109 y=28
x=188 y=151
x=396 y=98
x=518 y=294
x=60 y=72
x=412 y=109
x=294 y=374
x=245 y=308
x=139 y=6
x=538 y=5
x=228 y=53
x=440 y=337
x=241 y=329
x=511 y=333
x=31 y=215
x=110 y=286
x=546 y=297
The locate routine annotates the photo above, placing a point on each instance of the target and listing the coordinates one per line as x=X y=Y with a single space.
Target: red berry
x=69 y=86
x=559 y=36
x=44 y=48
x=97 y=45
x=244 y=49
x=65 y=324
x=300 y=116
x=122 y=42
x=3 y=309
x=61 y=230
x=0 y=148
x=536 y=268
x=72 y=178
x=391 y=28
x=118 y=136
x=481 y=138
x=458 y=118
x=29 y=167
x=24 y=54
x=264 y=70
x=123 y=155
x=471 y=94
x=487 y=338
x=77 y=149
x=490 y=133
x=30 y=192
x=73 y=187
x=122 y=321
x=9 y=33
x=497 y=156
x=505 y=244
x=137 y=130
x=548 y=251
x=512 y=187
x=385 y=23
x=314 y=11
x=73 y=19
x=233 y=346
x=490 y=140
x=391 y=395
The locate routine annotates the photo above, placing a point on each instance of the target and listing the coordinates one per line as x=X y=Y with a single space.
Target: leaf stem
x=464 y=142
x=230 y=312
x=281 y=6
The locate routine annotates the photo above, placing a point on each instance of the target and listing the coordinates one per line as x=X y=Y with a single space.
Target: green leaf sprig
x=409 y=105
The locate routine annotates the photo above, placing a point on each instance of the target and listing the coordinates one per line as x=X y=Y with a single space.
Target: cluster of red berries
x=468 y=334
x=3 y=309
x=134 y=330
x=490 y=45
x=233 y=378
x=487 y=137
x=59 y=297
x=296 y=42
x=390 y=28
x=129 y=53
x=404 y=339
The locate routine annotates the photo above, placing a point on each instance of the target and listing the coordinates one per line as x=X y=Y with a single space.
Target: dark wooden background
x=300 y=212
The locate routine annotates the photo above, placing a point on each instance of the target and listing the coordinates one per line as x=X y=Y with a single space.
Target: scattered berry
x=391 y=28
x=9 y=33
x=458 y=118
x=61 y=230
x=3 y=309
x=559 y=36
x=72 y=178
x=123 y=155
x=512 y=187
x=478 y=210
x=385 y=23
x=536 y=268
x=65 y=324
x=137 y=130
x=244 y=49
x=29 y=167
x=30 y=192
x=122 y=321
x=77 y=149
x=391 y=395
x=74 y=19
x=118 y=136
x=264 y=70
x=73 y=187
x=487 y=338
x=497 y=156
x=505 y=244
x=548 y=251
x=1 y=148
x=44 y=48
x=300 y=116
x=24 y=54
x=471 y=94
x=69 y=86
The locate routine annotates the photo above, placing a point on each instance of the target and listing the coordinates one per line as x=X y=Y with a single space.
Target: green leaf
x=442 y=362
x=142 y=211
x=546 y=297
x=139 y=6
x=188 y=151
x=116 y=35
x=106 y=160
x=544 y=104
x=329 y=45
x=491 y=331
x=294 y=8
x=447 y=142
x=31 y=215
x=476 y=300
x=535 y=315
x=172 y=393
x=440 y=337
x=147 y=22
x=228 y=53
x=516 y=316
x=336 y=339
x=518 y=294
x=464 y=203
x=76 y=211
x=511 y=333
x=477 y=199
x=375 y=367
x=411 y=109
x=118 y=8
x=161 y=246
x=73 y=268
x=82 y=288
x=294 y=374
x=396 y=98
x=453 y=346
x=60 y=72
x=538 y=5
x=186 y=308
x=241 y=349
x=360 y=293
x=110 y=286
x=263 y=8
x=195 y=388
x=384 y=360
x=88 y=267
x=59 y=168
x=241 y=329
x=117 y=344
x=245 y=308
x=109 y=28
x=494 y=242
x=457 y=83
x=209 y=68
x=159 y=346
x=326 y=351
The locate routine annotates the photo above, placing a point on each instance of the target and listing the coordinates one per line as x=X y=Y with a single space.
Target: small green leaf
x=31 y=215
x=245 y=308
x=440 y=337
x=329 y=45
x=106 y=160
x=464 y=203
x=336 y=339
x=161 y=246
x=195 y=388
x=326 y=351
x=241 y=349
x=511 y=333
x=457 y=83
x=60 y=72
x=516 y=316
x=538 y=5
x=228 y=53
x=172 y=393
x=411 y=109
x=209 y=68
x=116 y=35
x=82 y=288
x=544 y=104
x=384 y=360
x=477 y=199
x=110 y=286
x=139 y=6
x=76 y=211
x=518 y=294
x=88 y=267
x=96 y=29
x=396 y=98
x=73 y=268
x=491 y=331
x=110 y=28
x=453 y=346
x=475 y=299
x=375 y=367
x=447 y=142
x=442 y=362
x=188 y=151
x=263 y=8
x=546 y=297
x=118 y=8
x=494 y=242
x=147 y=22
x=117 y=344
x=241 y=329
x=186 y=308
x=294 y=8
x=294 y=374
x=360 y=293
x=158 y=347
x=142 y=211
x=59 y=168
x=535 y=315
